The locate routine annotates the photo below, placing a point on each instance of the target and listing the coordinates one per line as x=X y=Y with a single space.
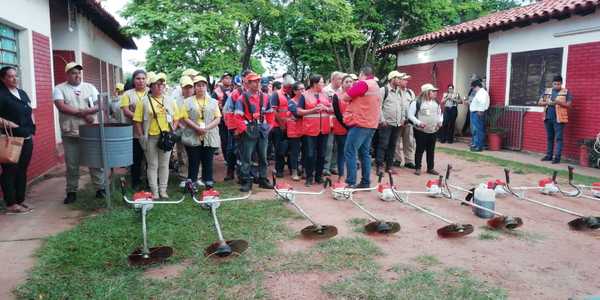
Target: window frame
x=17 y=48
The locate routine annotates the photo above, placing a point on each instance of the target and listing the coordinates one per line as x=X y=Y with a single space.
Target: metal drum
x=119 y=145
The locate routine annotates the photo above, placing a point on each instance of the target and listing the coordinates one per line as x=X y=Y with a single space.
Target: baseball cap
x=72 y=65
x=395 y=74
x=252 y=76
x=200 y=79
x=190 y=72
x=185 y=81
x=428 y=87
x=119 y=87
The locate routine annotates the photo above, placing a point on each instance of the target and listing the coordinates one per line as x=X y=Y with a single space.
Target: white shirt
x=58 y=95
x=15 y=93
x=330 y=91
x=481 y=101
x=412 y=113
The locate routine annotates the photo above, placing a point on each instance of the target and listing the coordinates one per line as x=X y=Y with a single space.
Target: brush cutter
x=574 y=193
x=501 y=221
x=581 y=223
x=378 y=225
x=285 y=192
x=221 y=248
x=594 y=189
x=145 y=255
x=453 y=230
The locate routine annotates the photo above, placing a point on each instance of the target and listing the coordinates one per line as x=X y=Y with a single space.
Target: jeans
x=247 y=147
x=477 y=130
x=330 y=150
x=231 y=151
x=200 y=155
x=294 y=145
x=14 y=176
x=554 y=130
x=280 y=143
x=314 y=155
x=425 y=143
x=340 y=142
x=136 y=168
x=449 y=125
x=386 y=146
x=358 y=141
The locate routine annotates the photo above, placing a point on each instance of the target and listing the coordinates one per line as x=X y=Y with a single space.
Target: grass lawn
x=90 y=261
x=516 y=167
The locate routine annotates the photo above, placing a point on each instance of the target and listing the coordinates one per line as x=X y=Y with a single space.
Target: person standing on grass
x=129 y=100
x=426 y=115
x=16 y=116
x=201 y=116
x=362 y=117
x=450 y=102
x=478 y=106
x=392 y=119
x=334 y=87
x=405 y=148
x=77 y=104
x=279 y=101
x=340 y=129
x=153 y=115
x=556 y=101
x=294 y=129
x=315 y=109
x=187 y=90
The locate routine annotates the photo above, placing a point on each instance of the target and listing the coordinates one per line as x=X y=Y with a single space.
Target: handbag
x=166 y=139
x=10 y=147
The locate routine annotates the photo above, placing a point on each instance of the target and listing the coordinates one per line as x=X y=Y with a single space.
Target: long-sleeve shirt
x=481 y=101
x=243 y=114
x=412 y=114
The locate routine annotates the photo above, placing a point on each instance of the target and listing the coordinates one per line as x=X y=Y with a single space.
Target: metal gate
x=509 y=120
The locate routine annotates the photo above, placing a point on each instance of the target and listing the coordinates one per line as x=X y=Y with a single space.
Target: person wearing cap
x=450 y=101
x=426 y=115
x=176 y=92
x=254 y=116
x=405 y=148
x=279 y=102
x=334 y=87
x=115 y=113
x=187 y=90
x=77 y=104
x=129 y=100
x=221 y=93
x=294 y=129
x=153 y=115
x=201 y=116
x=392 y=119
x=477 y=107
x=362 y=116
x=556 y=102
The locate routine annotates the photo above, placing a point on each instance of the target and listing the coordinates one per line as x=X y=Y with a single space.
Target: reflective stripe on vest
x=282 y=108
x=364 y=111
x=317 y=123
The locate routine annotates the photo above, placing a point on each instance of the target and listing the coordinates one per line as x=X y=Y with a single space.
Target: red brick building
x=517 y=52
x=39 y=38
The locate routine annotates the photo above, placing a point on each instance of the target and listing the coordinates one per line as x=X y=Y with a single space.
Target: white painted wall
x=63 y=37
x=27 y=16
x=427 y=53
x=94 y=42
x=551 y=34
x=471 y=59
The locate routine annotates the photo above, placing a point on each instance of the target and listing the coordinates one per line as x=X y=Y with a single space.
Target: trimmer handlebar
x=222 y=200
x=152 y=201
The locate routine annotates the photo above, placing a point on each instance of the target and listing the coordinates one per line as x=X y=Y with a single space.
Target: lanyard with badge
x=200 y=110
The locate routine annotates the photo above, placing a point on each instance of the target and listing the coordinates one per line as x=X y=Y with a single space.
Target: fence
x=509 y=121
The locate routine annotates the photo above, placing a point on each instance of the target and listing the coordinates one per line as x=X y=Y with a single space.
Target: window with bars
x=9 y=50
x=531 y=72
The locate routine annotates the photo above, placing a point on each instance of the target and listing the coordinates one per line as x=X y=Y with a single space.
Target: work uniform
x=294 y=134
x=451 y=101
x=130 y=99
x=405 y=151
x=429 y=114
x=82 y=96
x=279 y=102
x=555 y=119
x=392 y=119
x=315 y=130
x=231 y=153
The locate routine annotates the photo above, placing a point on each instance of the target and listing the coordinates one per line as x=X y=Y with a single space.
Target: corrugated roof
x=540 y=11
x=105 y=22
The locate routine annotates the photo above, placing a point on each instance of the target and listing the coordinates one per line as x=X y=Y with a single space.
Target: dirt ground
x=543 y=260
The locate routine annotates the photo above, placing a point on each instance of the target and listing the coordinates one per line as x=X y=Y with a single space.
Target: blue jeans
x=358 y=141
x=477 y=130
x=247 y=148
x=340 y=141
x=314 y=155
x=554 y=130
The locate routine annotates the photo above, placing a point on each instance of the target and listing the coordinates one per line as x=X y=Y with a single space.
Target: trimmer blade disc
x=382 y=227
x=155 y=255
x=219 y=250
x=505 y=222
x=585 y=223
x=322 y=232
x=455 y=230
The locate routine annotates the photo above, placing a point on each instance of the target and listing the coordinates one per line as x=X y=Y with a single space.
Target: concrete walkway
x=525 y=157
x=22 y=235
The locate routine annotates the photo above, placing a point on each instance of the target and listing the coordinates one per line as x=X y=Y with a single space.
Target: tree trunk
x=338 y=60
x=351 y=52
x=250 y=33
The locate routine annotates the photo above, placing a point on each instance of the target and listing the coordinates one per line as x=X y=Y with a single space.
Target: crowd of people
x=313 y=129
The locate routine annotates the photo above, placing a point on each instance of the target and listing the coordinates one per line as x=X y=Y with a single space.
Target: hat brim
x=253 y=78
x=78 y=67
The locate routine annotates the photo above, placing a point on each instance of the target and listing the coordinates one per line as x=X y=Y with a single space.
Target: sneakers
x=363 y=185
x=308 y=182
x=433 y=172
x=100 y=194
x=546 y=158
x=264 y=183
x=200 y=183
x=164 y=195
x=556 y=161
x=295 y=176
x=17 y=209
x=71 y=197
x=409 y=165
x=418 y=172
x=183 y=184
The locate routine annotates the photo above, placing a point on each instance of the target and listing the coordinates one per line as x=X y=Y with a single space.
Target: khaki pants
x=405 y=148
x=182 y=161
x=71 y=149
x=158 y=165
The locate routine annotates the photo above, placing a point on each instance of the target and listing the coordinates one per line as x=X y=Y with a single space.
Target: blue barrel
x=119 y=145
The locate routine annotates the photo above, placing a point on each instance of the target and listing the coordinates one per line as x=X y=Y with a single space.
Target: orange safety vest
x=364 y=111
x=293 y=124
x=317 y=123
x=282 y=109
x=562 y=113
x=338 y=128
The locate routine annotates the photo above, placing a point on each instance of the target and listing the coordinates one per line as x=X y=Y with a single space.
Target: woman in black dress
x=15 y=113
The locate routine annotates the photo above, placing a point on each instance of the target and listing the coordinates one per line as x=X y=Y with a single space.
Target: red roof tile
x=540 y=11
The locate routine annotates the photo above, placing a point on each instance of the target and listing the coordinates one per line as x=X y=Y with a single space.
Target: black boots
x=264 y=183
x=246 y=186
x=71 y=197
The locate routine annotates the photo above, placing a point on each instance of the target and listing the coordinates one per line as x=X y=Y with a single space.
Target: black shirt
x=18 y=111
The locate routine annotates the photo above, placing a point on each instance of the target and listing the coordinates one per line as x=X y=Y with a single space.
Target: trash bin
x=119 y=145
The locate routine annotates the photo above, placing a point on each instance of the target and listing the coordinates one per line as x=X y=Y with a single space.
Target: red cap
x=252 y=76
